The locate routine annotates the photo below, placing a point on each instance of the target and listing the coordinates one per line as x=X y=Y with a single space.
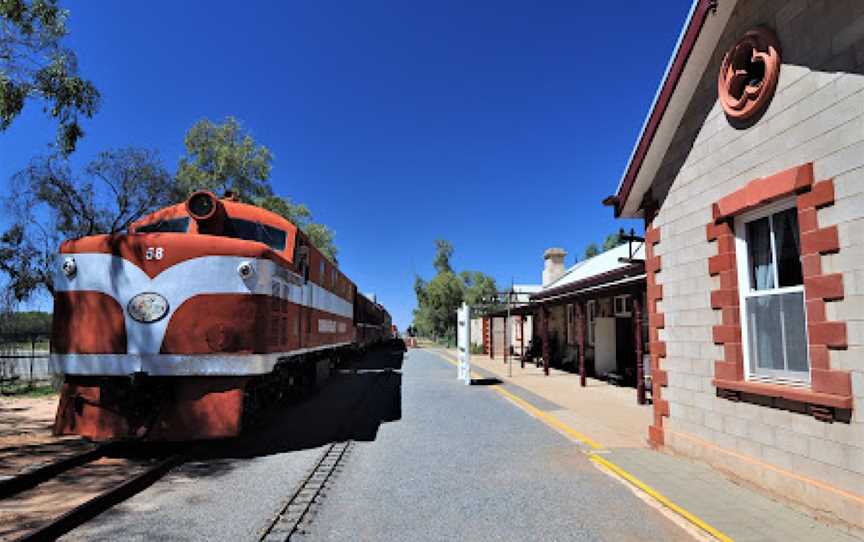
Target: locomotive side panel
x=199 y=302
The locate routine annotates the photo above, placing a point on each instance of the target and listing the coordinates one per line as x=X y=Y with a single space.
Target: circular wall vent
x=749 y=74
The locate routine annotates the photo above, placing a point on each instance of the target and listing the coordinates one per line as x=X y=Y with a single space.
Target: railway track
x=143 y=474
x=296 y=511
x=289 y=519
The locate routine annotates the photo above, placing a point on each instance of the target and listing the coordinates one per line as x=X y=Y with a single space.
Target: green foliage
x=612 y=240
x=298 y=214
x=222 y=157
x=322 y=237
x=438 y=299
x=35 y=66
x=443 y=252
x=52 y=203
x=28 y=389
x=479 y=287
x=27 y=326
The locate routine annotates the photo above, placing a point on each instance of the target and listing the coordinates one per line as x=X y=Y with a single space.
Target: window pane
x=795 y=331
x=788 y=244
x=253 y=231
x=172 y=225
x=759 y=246
x=775 y=325
x=764 y=334
x=273 y=237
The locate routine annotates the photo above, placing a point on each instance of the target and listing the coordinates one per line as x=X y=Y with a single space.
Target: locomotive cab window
x=171 y=225
x=255 y=231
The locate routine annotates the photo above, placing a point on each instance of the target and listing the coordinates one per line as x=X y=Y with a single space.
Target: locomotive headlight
x=147 y=307
x=69 y=267
x=202 y=205
x=245 y=270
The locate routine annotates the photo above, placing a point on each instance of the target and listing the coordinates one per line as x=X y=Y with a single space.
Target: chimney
x=553 y=264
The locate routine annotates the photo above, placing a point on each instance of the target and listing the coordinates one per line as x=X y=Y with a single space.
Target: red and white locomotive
x=171 y=331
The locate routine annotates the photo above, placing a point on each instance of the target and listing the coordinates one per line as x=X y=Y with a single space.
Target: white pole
x=463 y=342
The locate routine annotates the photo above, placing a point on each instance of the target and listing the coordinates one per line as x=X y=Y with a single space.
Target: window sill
x=789 y=393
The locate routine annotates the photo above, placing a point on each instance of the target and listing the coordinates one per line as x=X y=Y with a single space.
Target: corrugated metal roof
x=598 y=265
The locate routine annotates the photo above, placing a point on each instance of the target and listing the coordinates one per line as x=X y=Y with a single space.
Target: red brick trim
x=761 y=191
x=791 y=393
x=829 y=387
x=656 y=322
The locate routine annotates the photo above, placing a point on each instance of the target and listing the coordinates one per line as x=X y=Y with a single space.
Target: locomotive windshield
x=255 y=231
x=171 y=225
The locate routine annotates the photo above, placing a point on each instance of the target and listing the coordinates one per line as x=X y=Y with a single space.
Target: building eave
x=633 y=269
x=635 y=181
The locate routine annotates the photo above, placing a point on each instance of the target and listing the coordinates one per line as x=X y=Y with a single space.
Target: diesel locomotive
x=202 y=311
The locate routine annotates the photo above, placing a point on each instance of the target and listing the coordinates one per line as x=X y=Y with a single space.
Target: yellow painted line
x=659 y=497
x=596 y=448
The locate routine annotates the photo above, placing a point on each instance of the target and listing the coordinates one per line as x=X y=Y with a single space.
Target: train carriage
x=172 y=331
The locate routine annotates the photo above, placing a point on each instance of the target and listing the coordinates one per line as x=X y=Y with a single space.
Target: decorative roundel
x=749 y=74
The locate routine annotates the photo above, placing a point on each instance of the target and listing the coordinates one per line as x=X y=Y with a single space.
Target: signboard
x=463 y=342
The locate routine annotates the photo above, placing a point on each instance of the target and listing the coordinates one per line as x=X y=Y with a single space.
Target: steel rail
x=32 y=478
x=102 y=502
x=288 y=521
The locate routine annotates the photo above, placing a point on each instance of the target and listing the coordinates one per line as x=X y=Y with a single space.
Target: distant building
x=594 y=309
x=488 y=330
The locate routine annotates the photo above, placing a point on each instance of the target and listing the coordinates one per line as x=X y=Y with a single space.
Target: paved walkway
x=431 y=459
x=606 y=421
x=461 y=464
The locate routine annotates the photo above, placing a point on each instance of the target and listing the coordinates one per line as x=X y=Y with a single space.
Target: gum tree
x=36 y=67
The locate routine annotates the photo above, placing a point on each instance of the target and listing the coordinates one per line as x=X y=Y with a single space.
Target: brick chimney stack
x=553 y=264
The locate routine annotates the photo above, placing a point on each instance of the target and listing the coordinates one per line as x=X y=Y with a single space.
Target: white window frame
x=622 y=310
x=742 y=258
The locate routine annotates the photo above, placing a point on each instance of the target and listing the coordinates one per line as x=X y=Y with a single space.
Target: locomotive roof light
x=202 y=205
x=245 y=270
x=69 y=267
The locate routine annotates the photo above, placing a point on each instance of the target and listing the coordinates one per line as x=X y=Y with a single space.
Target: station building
x=503 y=331
x=749 y=174
x=590 y=319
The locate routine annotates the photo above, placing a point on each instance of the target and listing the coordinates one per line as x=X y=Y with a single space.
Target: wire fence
x=23 y=368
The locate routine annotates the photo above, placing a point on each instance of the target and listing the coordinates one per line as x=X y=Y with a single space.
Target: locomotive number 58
x=154 y=253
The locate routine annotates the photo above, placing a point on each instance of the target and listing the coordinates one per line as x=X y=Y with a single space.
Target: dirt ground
x=25 y=434
x=30 y=509
x=25 y=443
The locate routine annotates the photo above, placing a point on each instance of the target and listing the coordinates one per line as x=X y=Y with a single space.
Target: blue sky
x=498 y=125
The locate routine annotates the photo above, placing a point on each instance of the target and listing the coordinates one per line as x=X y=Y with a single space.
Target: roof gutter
x=686 y=42
x=609 y=276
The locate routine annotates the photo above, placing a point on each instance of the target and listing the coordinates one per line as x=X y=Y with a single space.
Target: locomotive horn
x=207 y=211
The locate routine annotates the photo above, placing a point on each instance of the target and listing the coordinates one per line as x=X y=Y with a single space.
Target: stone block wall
x=817 y=115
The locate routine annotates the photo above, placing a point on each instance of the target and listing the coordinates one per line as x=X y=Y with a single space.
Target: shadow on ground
x=360 y=397
x=485 y=381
